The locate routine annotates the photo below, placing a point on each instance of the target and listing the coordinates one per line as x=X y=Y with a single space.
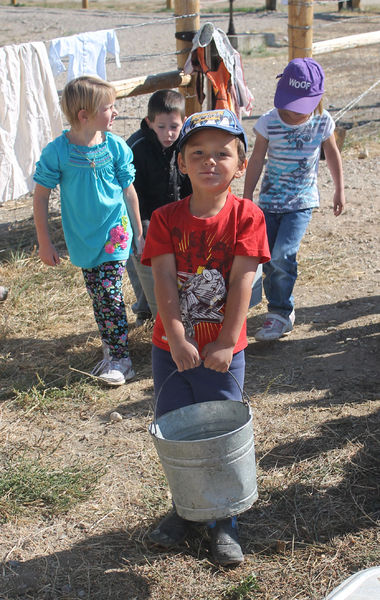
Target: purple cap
x=223 y=119
x=300 y=87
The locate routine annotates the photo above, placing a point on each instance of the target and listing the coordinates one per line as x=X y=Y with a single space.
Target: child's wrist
x=225 y=342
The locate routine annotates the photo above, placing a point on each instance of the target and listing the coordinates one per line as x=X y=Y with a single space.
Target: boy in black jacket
x=158 y=181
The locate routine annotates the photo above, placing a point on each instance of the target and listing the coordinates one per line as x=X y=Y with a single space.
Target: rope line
x=157 y=22
x=136 y=57
x=118 y=28
x=352 y=103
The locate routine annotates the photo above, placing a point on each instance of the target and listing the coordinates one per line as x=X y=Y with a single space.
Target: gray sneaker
x=225 y=546
x=275 y=327
x=114 y=371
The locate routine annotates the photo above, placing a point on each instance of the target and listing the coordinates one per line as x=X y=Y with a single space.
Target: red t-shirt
x=204 y=250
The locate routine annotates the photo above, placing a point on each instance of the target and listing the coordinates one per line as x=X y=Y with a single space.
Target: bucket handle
x=244 y=396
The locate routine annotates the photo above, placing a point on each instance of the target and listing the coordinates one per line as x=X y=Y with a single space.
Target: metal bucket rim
x=154 y=424
x=244 y=396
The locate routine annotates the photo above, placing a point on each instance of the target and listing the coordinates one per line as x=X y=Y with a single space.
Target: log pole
x=300 y=28
x=147 y=84
x=186 y=28
x=348 y=41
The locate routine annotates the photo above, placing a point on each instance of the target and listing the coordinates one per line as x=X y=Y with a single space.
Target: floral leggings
x=104 y=286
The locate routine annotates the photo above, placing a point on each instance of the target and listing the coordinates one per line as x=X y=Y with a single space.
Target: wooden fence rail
x=346 y=42
x=147 y=84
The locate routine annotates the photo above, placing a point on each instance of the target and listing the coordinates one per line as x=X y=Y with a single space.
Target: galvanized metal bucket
x=207 y=453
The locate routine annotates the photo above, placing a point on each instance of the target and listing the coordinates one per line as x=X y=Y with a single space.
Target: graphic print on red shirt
x=204 y=250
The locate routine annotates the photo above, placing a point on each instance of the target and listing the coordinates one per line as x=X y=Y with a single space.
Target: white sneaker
x=114 y=372
x=275 y=327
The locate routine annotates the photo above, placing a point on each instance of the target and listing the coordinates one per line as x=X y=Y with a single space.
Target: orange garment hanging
x=220 y=79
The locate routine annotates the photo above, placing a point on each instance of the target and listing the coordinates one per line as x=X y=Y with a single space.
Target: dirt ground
x=315 y=394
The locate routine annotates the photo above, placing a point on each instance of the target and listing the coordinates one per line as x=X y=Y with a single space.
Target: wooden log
x=348 y=41
x=185 y=30
x=300 y=28
x=147 y=84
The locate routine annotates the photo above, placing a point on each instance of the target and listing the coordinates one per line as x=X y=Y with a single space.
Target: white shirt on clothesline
x=87 y=53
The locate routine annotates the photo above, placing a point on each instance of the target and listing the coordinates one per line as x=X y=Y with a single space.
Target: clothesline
x=31 y=98
x=135 y=26
x=136 y=57
x=159 y=21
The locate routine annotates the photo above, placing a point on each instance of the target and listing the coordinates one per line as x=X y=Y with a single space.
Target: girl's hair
x=85 y=93
x=319 y=107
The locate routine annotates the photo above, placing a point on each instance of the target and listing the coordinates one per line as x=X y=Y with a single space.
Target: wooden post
x=300 y=28
x=231 y=26
x=84 y=3
x=169 y=4
x=185 y=31
x=270 y=4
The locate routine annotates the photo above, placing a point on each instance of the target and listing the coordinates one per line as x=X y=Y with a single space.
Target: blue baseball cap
x=300 y=87
x=223 y=119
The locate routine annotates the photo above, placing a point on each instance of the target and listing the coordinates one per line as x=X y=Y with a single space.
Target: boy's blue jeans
x=141 y=278
x=285 y=232
x=194 y=385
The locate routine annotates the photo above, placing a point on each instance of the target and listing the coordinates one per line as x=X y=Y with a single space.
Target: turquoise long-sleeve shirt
x=95 y=219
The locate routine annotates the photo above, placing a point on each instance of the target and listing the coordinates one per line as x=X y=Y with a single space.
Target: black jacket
x=158 y=180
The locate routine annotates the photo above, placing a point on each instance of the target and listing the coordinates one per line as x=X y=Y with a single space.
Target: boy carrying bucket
x=204 y=251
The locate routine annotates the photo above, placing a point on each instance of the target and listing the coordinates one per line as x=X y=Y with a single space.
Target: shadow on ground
x=340 y=357
x=98 y=567
x=308 y=514
x=60 y=361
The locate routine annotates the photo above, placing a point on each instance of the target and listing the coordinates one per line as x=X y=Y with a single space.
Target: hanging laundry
x=86 y=51
x=30 y=115
x=227 y=78
x=219 y=78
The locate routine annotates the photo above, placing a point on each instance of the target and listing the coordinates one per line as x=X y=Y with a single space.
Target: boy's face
x=167 y=127
x=210 y=159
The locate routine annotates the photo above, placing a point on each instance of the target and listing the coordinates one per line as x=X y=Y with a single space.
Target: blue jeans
x=141 y=278
x=285 y=232
x=141 y=305
x=194 y=385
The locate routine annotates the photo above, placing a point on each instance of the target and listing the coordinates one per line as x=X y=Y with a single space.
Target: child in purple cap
x=291 y=134
x=204 y=251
